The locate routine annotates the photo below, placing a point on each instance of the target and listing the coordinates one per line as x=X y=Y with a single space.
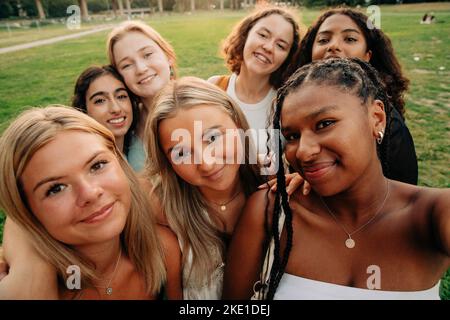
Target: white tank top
x=297 y=288
x=256 y=113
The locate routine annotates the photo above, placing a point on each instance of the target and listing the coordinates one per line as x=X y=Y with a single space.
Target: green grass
x=45 y=75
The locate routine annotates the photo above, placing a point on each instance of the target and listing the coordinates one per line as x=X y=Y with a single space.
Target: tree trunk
x=192 y=5
x=128 y=6
x=221 y=4
x=160 y=6
x=40 y=9
x=84 y=9
x=120 y=7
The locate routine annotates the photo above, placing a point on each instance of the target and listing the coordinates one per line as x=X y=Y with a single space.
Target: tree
x=160 y=6
x=84 y=9
x=40 y=9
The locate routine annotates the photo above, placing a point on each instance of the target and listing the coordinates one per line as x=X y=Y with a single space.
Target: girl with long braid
x=357 y=230
x=346 y=33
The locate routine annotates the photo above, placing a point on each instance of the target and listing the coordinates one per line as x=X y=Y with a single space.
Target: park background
x=46 y=74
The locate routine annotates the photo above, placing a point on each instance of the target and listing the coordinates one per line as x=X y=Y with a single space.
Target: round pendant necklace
x=350 y=242
x=108 y=288
x=223 y=206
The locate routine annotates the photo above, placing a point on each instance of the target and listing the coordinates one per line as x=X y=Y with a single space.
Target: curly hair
x=233 y=46
x=79 y=99
x=355 y=77
x=383 y=58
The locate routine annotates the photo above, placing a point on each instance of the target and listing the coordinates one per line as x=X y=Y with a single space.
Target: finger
x=268 y=184
x=306 y=188
x=274 y=188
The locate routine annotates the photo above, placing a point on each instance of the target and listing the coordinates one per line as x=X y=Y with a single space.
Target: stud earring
x=380 y=137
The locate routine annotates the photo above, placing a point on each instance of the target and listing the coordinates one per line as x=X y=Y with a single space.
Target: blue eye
x=98 y=165
x=54 y=189
x=180 y=154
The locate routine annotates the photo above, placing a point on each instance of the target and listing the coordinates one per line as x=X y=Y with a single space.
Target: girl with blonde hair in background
x=147 y=62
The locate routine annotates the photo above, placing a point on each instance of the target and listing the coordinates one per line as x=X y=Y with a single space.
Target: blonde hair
x=32 y=130
x=183 y=203
x=138 y=26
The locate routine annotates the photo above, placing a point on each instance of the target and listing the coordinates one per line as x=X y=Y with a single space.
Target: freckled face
x=340 y=37
x=201 y=148
x=142 y=63
x=329 y=137
x=77 y=189
x=268 y=44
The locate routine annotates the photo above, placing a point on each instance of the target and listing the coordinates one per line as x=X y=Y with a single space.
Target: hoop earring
x=380 y=137
x=171 y=72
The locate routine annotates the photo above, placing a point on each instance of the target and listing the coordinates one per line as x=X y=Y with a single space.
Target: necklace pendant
x=109 y=291
x=223 y=208
x=350 y=243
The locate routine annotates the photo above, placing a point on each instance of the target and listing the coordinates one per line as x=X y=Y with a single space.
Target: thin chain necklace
x=350 y=242
x=108 y=287
x=223 y=206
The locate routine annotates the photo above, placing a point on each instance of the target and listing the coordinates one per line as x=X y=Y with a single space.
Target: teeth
x=117 y=120
x=144 y=81
x=262 y=58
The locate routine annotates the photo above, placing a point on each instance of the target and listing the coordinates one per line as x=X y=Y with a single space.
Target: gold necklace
x=108 y=288
x=223 y=206
x=350 y=242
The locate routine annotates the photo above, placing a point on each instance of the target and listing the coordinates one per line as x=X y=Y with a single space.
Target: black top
x=402 y=159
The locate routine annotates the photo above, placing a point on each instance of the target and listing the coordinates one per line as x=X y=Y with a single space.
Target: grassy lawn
x=45 y=75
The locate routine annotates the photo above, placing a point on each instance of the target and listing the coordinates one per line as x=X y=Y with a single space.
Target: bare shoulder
x=214 y=79
x=430 y=211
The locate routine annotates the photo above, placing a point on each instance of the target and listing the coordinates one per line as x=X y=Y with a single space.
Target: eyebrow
x=104 y=93
x=343 y=31
x=268 y=31
x=217 y=126
x=141 y=49
x=316 y=114
x=49 y=179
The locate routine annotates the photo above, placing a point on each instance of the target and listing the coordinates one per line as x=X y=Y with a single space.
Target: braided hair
x=383 y=57
x=352 y=75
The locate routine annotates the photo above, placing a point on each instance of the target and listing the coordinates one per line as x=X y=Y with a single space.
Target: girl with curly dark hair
x=348 y=33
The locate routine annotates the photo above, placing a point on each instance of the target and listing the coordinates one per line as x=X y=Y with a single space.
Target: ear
x=377 y=117
x=368 y=56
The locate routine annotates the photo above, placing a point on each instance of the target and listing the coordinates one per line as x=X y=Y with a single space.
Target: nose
x=87 y=192
x=268 y=45
x=141 y=66
x=334 y=45
x=208 y=162
x=308 y=148
x=114 y=107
